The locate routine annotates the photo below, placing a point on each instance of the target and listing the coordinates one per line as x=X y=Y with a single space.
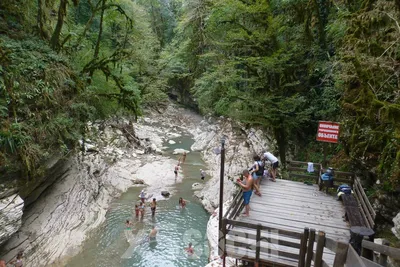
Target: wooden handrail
x=382 y=249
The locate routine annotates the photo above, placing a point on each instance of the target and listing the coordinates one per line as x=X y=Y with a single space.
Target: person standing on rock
x=202 y=174
x=153 y=206
x=247 y=186
x=274 y=164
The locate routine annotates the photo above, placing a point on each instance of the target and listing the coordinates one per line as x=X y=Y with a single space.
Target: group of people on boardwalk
x=251 y=178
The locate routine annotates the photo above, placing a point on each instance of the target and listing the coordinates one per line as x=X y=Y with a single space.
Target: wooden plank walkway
x=292 y=206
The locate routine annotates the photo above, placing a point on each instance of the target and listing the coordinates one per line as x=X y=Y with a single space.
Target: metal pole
x=221 y=195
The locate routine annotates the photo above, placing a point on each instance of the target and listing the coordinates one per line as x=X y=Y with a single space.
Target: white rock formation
x=171 y=142
x=180 y=151
x=396 y=228
x=10 y=216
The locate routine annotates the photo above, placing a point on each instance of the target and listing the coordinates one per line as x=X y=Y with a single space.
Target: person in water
x=189 y=250
x=153 y=234
x=153 y=206
x=141 y=209
x=183 y=157
x=128 y=225
x=137 y=210
x=142 y=196
x=182 y=202
x=176 y=170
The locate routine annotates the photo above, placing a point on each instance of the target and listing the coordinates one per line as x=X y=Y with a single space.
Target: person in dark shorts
x=274 y=164
x=247 y=186
x=153 y=206
x=176 y=171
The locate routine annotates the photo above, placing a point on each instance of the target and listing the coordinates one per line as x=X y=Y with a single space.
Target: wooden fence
x=267 y=246
x=367 y=212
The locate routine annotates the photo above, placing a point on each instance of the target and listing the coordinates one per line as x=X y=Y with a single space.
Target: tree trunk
x=97 y=47
x=55 y=38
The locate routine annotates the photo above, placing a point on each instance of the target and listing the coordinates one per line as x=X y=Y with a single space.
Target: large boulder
x=10 y=216
x=396 y=228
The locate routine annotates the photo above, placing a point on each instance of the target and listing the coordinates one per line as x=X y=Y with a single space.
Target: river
x=108 y=245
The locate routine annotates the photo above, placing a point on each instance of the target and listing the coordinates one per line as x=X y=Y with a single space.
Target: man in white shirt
x=274 y=164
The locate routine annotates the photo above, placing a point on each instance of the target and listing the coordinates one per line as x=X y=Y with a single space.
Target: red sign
x=328 y=132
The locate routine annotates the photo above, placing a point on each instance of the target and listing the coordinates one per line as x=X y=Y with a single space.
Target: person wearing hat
x=203 y=174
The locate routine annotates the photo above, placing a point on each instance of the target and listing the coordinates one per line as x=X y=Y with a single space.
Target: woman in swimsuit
x=141 y=209
x=182 y=202
x=137 y=210
x=153 y=206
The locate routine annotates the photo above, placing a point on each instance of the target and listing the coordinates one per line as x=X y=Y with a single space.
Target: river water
x=108 y=245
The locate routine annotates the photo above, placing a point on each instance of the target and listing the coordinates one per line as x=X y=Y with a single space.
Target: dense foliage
x=286 y=64
x=282 y=65
x=81 y=61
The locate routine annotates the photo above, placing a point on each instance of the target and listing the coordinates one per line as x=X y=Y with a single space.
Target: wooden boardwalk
x=291 y=206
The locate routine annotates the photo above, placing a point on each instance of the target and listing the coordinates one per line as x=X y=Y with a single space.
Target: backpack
x=260 y=171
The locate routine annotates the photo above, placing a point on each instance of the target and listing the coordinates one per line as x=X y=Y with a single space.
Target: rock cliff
x=240 y=146
x=10 y=215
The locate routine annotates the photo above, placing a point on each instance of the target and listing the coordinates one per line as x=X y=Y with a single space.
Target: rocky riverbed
x=118 y=155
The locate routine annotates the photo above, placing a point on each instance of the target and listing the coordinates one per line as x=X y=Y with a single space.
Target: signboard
x=328 y=132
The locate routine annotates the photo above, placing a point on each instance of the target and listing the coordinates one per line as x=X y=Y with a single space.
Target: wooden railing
x=262 y=244
x=365 y=206
x=235 y=207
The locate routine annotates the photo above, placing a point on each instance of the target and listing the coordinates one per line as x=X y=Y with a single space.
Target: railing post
x=365 y=252
x=320 y=249
x=341 y=254
x=303 y=247
x=222 y=239
x=310 y=247
x=383 y=257
x=258 y=245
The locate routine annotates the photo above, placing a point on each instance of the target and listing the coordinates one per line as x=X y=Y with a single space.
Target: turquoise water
x=108 y=245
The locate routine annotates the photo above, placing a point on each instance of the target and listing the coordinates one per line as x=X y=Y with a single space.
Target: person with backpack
x=257 y=172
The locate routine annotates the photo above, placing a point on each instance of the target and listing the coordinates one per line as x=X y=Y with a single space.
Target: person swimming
x=182 y=202
x=153 y=234
x=153 y=206
x=189 y=250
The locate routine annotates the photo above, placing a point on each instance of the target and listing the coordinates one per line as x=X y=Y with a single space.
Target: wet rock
x=396 y=228
x=10 y=216
x=171 y=142
x=138 y=181
x=180 y=151
x=197 y=186
x=165 y=193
